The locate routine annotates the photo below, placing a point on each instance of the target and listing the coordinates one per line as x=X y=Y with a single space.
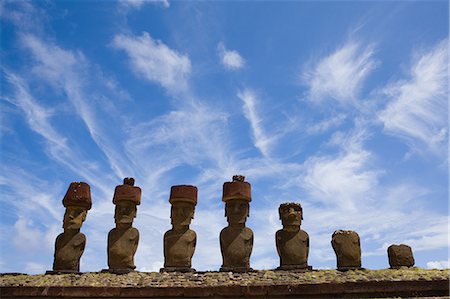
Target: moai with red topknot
x=180 y=241
x=124 y=238
x=69 y=245
x=292 y=242
x=236 y=240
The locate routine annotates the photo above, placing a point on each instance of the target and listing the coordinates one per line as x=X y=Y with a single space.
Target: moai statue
x=236 y=240
x=124 y=238
x=400 y=256
x=347 y=246
x=180 y=241
x=69 y=245
x=292 y=242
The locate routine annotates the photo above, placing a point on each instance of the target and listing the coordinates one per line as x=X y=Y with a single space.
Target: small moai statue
x=236 y=240
x=347 y=246
x=124 y=238
x=292 y=242
x=400 y=256
x=69 y=245
x=180 y=241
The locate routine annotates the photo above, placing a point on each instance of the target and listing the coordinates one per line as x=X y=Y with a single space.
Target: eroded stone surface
x=400 y=256
x=123 y=240
x=69 y=246
x=292 y=242
x=180 y=241
x=236 y=240
x=346 y=245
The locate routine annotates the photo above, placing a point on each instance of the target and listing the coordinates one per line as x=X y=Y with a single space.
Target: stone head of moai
x=346 y=244
x=77 y=202
x=183 y=199
x=237 y=197
x=400 y=256
x=126 y=198
x=291 y=215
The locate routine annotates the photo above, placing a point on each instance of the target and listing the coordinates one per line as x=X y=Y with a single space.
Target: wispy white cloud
x=137 y=4
x=37 y=116
x=260 y=139
x=340 y=75
x=230 y=59
x=155 y=61
x=418 y=107
x=326 y=124
x=438 y=264
x=66 y=70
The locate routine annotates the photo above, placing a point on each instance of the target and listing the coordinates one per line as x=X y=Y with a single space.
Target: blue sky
x=341 y=106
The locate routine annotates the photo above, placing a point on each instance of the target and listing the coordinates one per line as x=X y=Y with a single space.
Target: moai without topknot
x=236 y=240
x=69 y=245
x=124 y=238
x=180 y=241
x=292 y=242
x=347 y=246
x=400 y=256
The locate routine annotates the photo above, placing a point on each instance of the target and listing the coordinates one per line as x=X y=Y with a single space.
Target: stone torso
x=68 y=251
x=292 y=247
x=347 y=249
x=179 y=248
x=236 y=245
x=122 y=245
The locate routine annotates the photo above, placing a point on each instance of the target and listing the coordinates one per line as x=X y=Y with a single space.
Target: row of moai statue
x=236 y=240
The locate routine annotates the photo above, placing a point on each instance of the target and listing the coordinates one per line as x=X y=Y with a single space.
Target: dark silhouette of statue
x=124 y=238
x=347 y=246
x=69 y=245
x=292 y=242
x=236 y=240
x=180 y=241
x=400 y=256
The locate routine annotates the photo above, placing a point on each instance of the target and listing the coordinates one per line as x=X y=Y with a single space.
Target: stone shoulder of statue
x=244 y=232
x=75 y=240
x=132 y=232
x=189 y=234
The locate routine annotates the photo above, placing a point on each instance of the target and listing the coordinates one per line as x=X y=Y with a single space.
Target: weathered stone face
x=125 y=212
x=181 y=213
x=237 y=211
x=400 y=256
x=74 y=217
x=346 y=245
x=291 y=214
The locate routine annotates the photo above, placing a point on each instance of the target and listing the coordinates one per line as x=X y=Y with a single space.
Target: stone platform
x=257 y=284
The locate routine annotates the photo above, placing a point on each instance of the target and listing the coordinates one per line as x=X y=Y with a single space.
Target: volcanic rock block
x=400 y=256
x=346 y=245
